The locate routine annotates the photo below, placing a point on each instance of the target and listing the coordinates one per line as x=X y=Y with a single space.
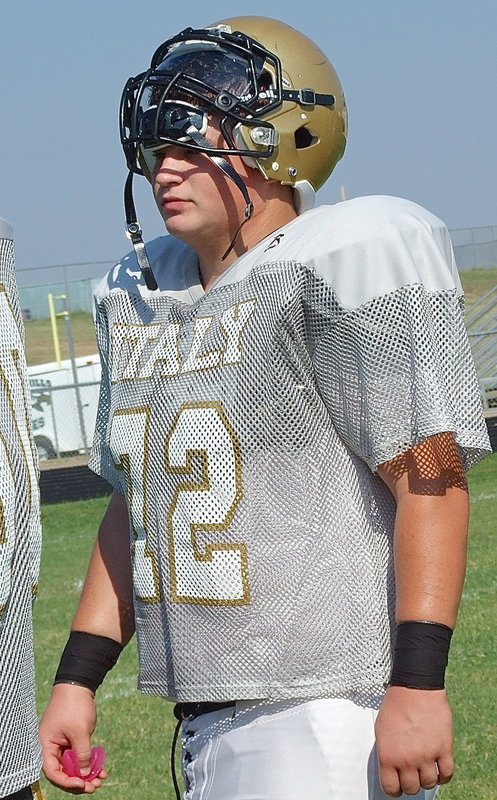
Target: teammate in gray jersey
x=288 y=408
x=20 y=542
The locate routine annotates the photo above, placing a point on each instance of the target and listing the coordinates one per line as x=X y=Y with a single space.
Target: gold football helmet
x=280 y=101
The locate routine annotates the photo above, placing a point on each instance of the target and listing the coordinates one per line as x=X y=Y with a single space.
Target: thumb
x=84 y=758
x=76 y=761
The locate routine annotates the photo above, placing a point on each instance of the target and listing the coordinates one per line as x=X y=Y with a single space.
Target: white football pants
x=288 y=750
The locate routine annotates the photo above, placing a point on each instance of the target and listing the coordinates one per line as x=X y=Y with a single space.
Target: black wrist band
x=420 y=655
x=86 y=659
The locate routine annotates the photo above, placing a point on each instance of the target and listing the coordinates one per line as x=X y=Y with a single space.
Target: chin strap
x=248 y=214
x=231 y=173
x=134 y=233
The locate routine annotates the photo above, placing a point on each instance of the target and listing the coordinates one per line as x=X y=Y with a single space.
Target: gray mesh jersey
x=245 y=425
x=20 y=541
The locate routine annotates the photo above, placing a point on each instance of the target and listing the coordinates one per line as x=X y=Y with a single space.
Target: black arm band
x=420 y=655
x=86 y=659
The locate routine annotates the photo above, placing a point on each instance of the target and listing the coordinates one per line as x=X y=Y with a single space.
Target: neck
x=274 y=215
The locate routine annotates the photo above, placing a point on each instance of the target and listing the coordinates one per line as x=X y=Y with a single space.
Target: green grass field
x=136 y=730
x=40 y=340
x=476 y=282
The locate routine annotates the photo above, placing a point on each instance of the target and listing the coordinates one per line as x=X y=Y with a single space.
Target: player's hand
x=68 y=722
x=414 y=740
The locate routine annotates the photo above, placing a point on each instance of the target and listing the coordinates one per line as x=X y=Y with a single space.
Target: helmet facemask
x=208 y=72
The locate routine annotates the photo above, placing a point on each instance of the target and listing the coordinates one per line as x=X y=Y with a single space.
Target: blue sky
x=419 y=78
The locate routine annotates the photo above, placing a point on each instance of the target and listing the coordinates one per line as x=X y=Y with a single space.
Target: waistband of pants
x=191 y=710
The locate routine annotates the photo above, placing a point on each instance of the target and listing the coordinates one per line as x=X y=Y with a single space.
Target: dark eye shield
x=170 y=124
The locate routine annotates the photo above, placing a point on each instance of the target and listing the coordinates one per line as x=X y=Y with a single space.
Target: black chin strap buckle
x=134 y=233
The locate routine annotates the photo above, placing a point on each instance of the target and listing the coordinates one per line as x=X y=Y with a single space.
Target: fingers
x=55 y=773
x=52 y=762
x=410 y=780
x=390 y=782
x=58 y=778
x=77 y=785
x=413 y=740
x=52 y=767
x=445 y=768
x=428 y=777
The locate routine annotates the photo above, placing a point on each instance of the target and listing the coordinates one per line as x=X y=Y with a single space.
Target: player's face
x=198 y=203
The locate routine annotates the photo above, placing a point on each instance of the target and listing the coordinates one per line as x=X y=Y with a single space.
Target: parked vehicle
x=63 y=409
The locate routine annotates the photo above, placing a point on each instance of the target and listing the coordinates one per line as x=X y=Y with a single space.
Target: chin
x=179 y=231
x=174 y=226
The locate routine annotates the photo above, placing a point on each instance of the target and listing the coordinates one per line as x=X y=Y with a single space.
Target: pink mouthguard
x=70 y=763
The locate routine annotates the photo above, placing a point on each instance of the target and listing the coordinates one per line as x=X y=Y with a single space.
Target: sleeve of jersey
x=101 y=460
x=395 y=365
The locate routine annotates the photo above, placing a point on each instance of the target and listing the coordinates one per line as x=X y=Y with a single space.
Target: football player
x=20 y=543
x=287 y=411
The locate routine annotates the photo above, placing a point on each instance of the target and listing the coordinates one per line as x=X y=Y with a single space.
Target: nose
x=170 y=165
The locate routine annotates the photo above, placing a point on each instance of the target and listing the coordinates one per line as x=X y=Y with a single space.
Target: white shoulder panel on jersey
x=5 y=229
x=364 y=248
x=374 y=245
x=174 y=265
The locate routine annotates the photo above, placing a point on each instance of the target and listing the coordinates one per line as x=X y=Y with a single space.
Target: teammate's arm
x=105 y=609
x=414 y=726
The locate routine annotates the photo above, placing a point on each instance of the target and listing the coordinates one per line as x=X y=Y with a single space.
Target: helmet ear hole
x=304 y=138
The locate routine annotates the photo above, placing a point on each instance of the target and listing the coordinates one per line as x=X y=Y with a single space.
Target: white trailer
x=64 y=401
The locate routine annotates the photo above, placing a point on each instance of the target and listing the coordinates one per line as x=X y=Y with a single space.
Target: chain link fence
x=475 y=247
x=75 y=281
x=64 y=403
x=481 y=324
